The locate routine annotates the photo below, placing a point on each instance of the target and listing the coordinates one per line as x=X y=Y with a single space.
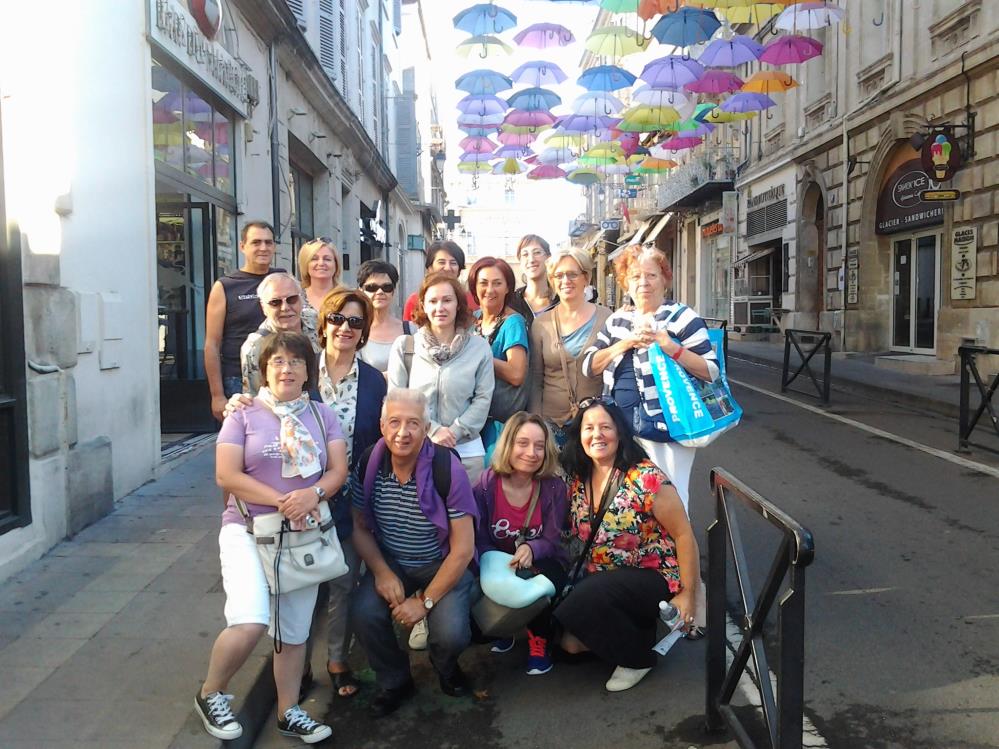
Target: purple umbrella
x=544 y=35
x=521 y=118
x=482 y=104
x=585 y=123
x=715 y=82
x=747 y=102
x=480 y=120
x=728 y=53
x=676 y=143
x=785 y=50
x=512 y=152
x=475 y=158
x=538 y=73
x=478 y=130
x=672 y=71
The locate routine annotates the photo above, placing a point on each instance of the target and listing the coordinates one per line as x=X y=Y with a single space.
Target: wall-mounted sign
x=941 y=156
x=900 y=207
x=633 y=179
x=730 y=212
x=712 y=230
x=627 y=192
x=939 y=196
x=772 y=195
x=208 y=15
x=964 y=262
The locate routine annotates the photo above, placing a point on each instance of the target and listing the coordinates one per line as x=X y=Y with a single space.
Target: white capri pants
x=247 y=597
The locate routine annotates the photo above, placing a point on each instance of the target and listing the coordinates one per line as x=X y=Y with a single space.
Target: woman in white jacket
x=451 y=367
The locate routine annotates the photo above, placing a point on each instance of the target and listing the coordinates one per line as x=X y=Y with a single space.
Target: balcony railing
x=691 y=183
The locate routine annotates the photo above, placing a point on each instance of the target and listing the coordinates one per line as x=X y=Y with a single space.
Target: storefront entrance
x=915 y=274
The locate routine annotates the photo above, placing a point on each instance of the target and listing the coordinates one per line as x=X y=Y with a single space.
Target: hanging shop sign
x=712 y=230
x=900 y=205
x=176 y=32
x=941 y=156
x=940 y=196
x=730 y=212
x=964 y=262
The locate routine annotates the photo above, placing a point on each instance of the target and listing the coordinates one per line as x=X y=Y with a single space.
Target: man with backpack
x=414 y=527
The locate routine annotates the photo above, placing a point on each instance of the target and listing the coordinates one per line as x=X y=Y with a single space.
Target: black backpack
x=441 y=469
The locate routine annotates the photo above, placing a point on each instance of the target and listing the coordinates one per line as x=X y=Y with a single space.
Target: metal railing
x=796 y=338
x=783 y=714
x=714 y=322
x=969 y=371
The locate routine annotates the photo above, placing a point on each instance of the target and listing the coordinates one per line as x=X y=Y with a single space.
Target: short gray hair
x=580 y=257
x=264 y=285
x=407 y=395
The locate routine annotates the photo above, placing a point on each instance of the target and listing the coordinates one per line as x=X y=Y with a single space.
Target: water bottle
x=670 y=615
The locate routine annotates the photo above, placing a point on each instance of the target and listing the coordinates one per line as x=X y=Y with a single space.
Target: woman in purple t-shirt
x=271 y=455
x=523 y=463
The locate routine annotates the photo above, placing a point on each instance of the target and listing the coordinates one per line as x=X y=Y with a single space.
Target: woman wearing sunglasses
x=630 y=540
x=319 y=270
x=379 y=280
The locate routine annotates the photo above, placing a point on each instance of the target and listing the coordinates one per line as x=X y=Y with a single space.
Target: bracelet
x=677 y=354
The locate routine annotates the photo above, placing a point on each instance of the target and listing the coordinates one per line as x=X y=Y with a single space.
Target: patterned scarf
x=440 y=352
x=299 y=452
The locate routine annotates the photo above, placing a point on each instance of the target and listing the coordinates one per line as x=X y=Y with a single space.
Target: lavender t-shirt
x=257 y=430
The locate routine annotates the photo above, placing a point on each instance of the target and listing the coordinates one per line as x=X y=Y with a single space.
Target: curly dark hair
x=462 y=320
x=577 y=463
x=298 y=346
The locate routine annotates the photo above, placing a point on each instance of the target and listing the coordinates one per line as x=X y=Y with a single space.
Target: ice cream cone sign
x=941 y=156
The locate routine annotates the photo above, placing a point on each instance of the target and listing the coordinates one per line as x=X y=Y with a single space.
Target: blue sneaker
x=539 y=657
x=502 y=646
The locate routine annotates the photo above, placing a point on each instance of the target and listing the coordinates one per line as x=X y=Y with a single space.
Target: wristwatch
x=428 y=603
x=320 y=492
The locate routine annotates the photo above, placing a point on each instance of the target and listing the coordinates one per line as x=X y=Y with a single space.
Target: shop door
x=915 y=264
x=184 y=255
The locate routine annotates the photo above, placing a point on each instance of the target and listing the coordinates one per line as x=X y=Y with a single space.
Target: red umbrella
x=517 y=139
x=546 y=171
x=785 y=50
x=677 y=143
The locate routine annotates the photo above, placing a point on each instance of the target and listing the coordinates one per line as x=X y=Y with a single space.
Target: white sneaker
x=625 y=678
x=418 y=637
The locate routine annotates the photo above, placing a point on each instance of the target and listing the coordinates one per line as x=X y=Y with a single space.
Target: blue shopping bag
x=695 y=412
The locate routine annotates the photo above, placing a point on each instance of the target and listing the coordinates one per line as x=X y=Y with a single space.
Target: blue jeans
x=232 y=385
x=449 y=622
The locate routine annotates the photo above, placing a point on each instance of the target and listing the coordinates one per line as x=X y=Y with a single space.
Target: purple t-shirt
x=257 y=430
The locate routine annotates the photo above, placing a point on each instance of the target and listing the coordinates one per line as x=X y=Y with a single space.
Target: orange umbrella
x=649 y=8
x=769 y=82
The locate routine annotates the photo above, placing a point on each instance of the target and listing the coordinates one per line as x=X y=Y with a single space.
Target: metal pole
x=791 y=670
x=717 y=636
x=787 y=360
x=827 y=368
x=962 y=423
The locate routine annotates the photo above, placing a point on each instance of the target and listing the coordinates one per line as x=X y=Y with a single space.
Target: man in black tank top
x=234 y=312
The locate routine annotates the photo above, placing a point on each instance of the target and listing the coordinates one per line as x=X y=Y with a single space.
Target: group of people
x=492 y=417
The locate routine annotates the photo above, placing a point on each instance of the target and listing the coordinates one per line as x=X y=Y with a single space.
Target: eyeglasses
x=566 y=275
x=278 y=362
x=600 y=400
x=371 y=288
x=277 y=301
x=336 y=319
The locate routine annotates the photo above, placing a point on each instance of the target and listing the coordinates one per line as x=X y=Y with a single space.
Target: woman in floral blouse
x=643 y=550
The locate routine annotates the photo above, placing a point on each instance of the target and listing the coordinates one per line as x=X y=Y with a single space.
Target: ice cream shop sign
x=900 y=207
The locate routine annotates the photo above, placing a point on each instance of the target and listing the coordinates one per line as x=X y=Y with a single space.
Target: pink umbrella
x=785 y=50
x=546 y=171
x=517 y=139
x=477 y=144
x=520 y=118
x=543 y=35
x=715 y=82
x=676 y=143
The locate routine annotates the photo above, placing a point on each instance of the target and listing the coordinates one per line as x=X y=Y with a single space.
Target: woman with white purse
x=283 y=453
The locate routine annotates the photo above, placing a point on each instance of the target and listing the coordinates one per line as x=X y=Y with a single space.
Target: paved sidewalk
x=104 y=641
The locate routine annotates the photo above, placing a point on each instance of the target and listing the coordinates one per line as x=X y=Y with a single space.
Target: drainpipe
x=275 y=139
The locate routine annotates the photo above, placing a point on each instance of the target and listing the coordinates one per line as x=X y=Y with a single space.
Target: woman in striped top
x=621 y=351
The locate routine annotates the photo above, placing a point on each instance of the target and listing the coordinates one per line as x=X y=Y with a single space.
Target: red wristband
x=675 y=356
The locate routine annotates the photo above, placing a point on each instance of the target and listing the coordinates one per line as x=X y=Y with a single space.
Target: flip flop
x=344 y=680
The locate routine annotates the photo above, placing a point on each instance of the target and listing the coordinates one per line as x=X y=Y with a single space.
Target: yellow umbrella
x=606 y=147
x=719 y=3
x=523 y=129
x=474 y=167
x=646 y=115
x=769 y=82
x=616 y=41
x=564 y=140
x=484 y=46
x=757 y=13
x=717 y=116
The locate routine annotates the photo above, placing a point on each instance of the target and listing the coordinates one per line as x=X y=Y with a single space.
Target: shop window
x=168 y=126
x=302 y=222
x=759 y=276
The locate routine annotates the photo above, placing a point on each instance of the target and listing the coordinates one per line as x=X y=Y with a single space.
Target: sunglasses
x=371 y=288
x=324 y=240
x=600 y=400
x=336 y=319
x=277 y=301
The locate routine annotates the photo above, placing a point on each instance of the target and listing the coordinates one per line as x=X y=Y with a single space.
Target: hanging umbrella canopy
x=686 y=27
x=477 y=144
x=544 y=35
x=756 y=14
x=510 y=166
x=652 y=165
x=720 y=4
x=661 y=97
x=559 y=139
x=473 y=157
x=480 y=120
x=556 y=156
x=512 y=152
x=585 y=123
x=647 y=9
x=613 y=169
x=694 y=128
x=718 y=116
x=675 y=143
x=483 y=82
x=484 y=46
x=481 y=104
x=606 y=147
x=715 y=82
x=485 y=18
x=808 y=15
x=529 y=118
x=481 y=130
x=598 y=103
x=728 y=53
x=545 y=171
x=534 y=100
x=583 y=176
x=660 y=116
x=517 y=139
x=538 y=73
x=791 y=49
x=532 y=130
x=769 y=82
x=672 y=71
x=474 y=167
x=616 y=41
x=620 y=6
x=747 y=102
x=605 y=78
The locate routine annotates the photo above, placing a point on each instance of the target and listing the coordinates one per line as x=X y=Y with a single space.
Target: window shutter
x=298 y=8
x=343 y=46
x=328 y=56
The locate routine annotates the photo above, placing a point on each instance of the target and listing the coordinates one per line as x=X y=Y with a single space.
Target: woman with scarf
x=450 y=366
x=283 y=452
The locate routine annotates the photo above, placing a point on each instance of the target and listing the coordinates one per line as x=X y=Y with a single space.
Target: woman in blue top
x=492 y=282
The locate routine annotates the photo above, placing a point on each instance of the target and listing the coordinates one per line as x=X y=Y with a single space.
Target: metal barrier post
x=969 y=371
x=717 y=583
x=793 y=338
x=962 y=419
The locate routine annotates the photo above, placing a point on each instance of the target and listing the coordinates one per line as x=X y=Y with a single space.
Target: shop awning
x=753 y=256
x=651 y=237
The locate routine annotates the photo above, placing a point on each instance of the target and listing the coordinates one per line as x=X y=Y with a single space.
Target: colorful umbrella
x=583 y=176
x=517 y=139
x=756 y=14
x=476 y=144
x=485 y=18
x=649 y=8
x=718 y=116
x=559 y=139
x=659 y=116
x=715 y=82
x=534 y=99
x=616 y=41
x=538 y=73
x=598 y=103
x=484 y=45
x=512 y=152
x=475 y=158
x=483 y=82
x=808 y=15
x=686 y=27
x=510 y=166
x=747 y=102
x=676 y=143
x=556 y=156
x=532 y=130
x=474 y=167
x=652 y=165
x=605 y=78
x=672 y=71
x=728 y=53
x=480 y=120
x=787 y=50
x=529 y=118
x=544 y=35
x=694 y=128
x=659 y=97
x=478 y=130
x=482 y=104
x=620 y=6
x=545 y=171
x=585 y=123
x=769 y=82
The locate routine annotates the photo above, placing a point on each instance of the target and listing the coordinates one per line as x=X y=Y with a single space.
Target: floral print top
x=630 y=535
x=342 y=398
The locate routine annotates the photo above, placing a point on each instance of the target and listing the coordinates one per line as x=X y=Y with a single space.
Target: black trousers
x=614 y=613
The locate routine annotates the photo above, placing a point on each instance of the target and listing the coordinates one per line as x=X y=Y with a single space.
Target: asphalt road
x=902 y=624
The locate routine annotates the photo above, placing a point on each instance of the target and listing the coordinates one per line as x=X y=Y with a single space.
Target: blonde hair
x=305 y=255
x=581 y=258
x=504 y=446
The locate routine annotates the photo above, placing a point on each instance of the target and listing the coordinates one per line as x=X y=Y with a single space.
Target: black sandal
x=344 y=680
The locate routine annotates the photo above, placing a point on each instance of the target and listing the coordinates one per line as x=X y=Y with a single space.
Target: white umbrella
x=556 y=156
x=813 y=15
x=597 y=103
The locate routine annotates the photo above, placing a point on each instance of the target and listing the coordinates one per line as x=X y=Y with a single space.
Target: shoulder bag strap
x=522 y=535
x=322 y=430
x=560 y=345
x=613 y=484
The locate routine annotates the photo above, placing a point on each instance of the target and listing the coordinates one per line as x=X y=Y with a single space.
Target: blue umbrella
x=686 y=27
x=585 y=123
x=534 y=100
x=485 y=18
x=485 y=131
x=538 y=73
x=483 y=81
x=605 y=78
x=747 y=102
x=482 y=104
